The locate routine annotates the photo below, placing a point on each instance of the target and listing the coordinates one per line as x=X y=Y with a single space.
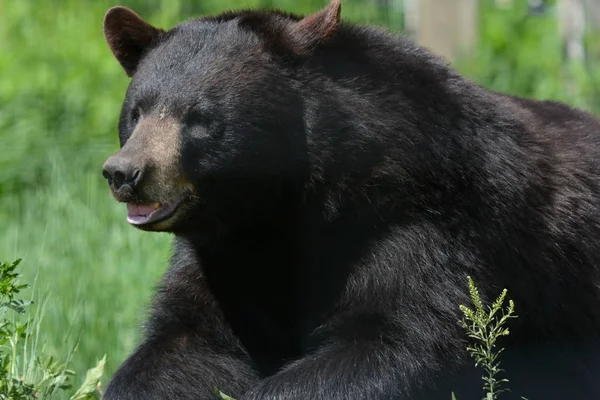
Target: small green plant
x=486 y=327
x=24 y=373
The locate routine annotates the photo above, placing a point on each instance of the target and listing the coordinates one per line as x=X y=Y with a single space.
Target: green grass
x=27 y=372
x=60 y=93
x=60 y=97
x=97 y=272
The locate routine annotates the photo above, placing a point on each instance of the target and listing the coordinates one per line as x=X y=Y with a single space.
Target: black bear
x=330 y=186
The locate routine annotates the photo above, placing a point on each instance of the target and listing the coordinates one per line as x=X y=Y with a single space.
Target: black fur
x=346 y=195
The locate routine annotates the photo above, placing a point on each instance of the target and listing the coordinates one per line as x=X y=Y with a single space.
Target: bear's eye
x=201 y=123
x=195 y=117
x=135 y=115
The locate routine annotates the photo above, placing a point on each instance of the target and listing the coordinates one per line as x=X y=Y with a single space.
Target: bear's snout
x=121 y=173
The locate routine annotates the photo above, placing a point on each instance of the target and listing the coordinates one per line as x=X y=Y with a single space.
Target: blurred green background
x=60 y=94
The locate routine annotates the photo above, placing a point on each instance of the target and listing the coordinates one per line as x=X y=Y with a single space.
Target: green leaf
x=92 y=379
x=223 y=395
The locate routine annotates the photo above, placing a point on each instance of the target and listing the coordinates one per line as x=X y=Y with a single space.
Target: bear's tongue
x=139 y=213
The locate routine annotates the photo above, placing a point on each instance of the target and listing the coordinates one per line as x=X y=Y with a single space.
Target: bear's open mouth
x=144 y=214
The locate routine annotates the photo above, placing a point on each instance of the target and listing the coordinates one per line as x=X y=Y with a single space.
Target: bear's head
x=211 y=128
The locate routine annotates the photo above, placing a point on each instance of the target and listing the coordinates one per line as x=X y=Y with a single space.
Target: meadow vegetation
x=60 y=94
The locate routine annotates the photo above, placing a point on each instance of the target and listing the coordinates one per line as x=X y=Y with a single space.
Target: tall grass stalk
x=485 y=326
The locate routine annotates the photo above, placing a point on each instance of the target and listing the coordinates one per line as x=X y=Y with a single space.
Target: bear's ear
x=314 y=28
x=128 y=36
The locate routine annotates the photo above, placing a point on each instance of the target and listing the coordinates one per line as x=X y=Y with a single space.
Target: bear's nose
x=119 y=171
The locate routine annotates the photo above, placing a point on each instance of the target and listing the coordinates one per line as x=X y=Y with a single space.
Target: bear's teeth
x=156 y=206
